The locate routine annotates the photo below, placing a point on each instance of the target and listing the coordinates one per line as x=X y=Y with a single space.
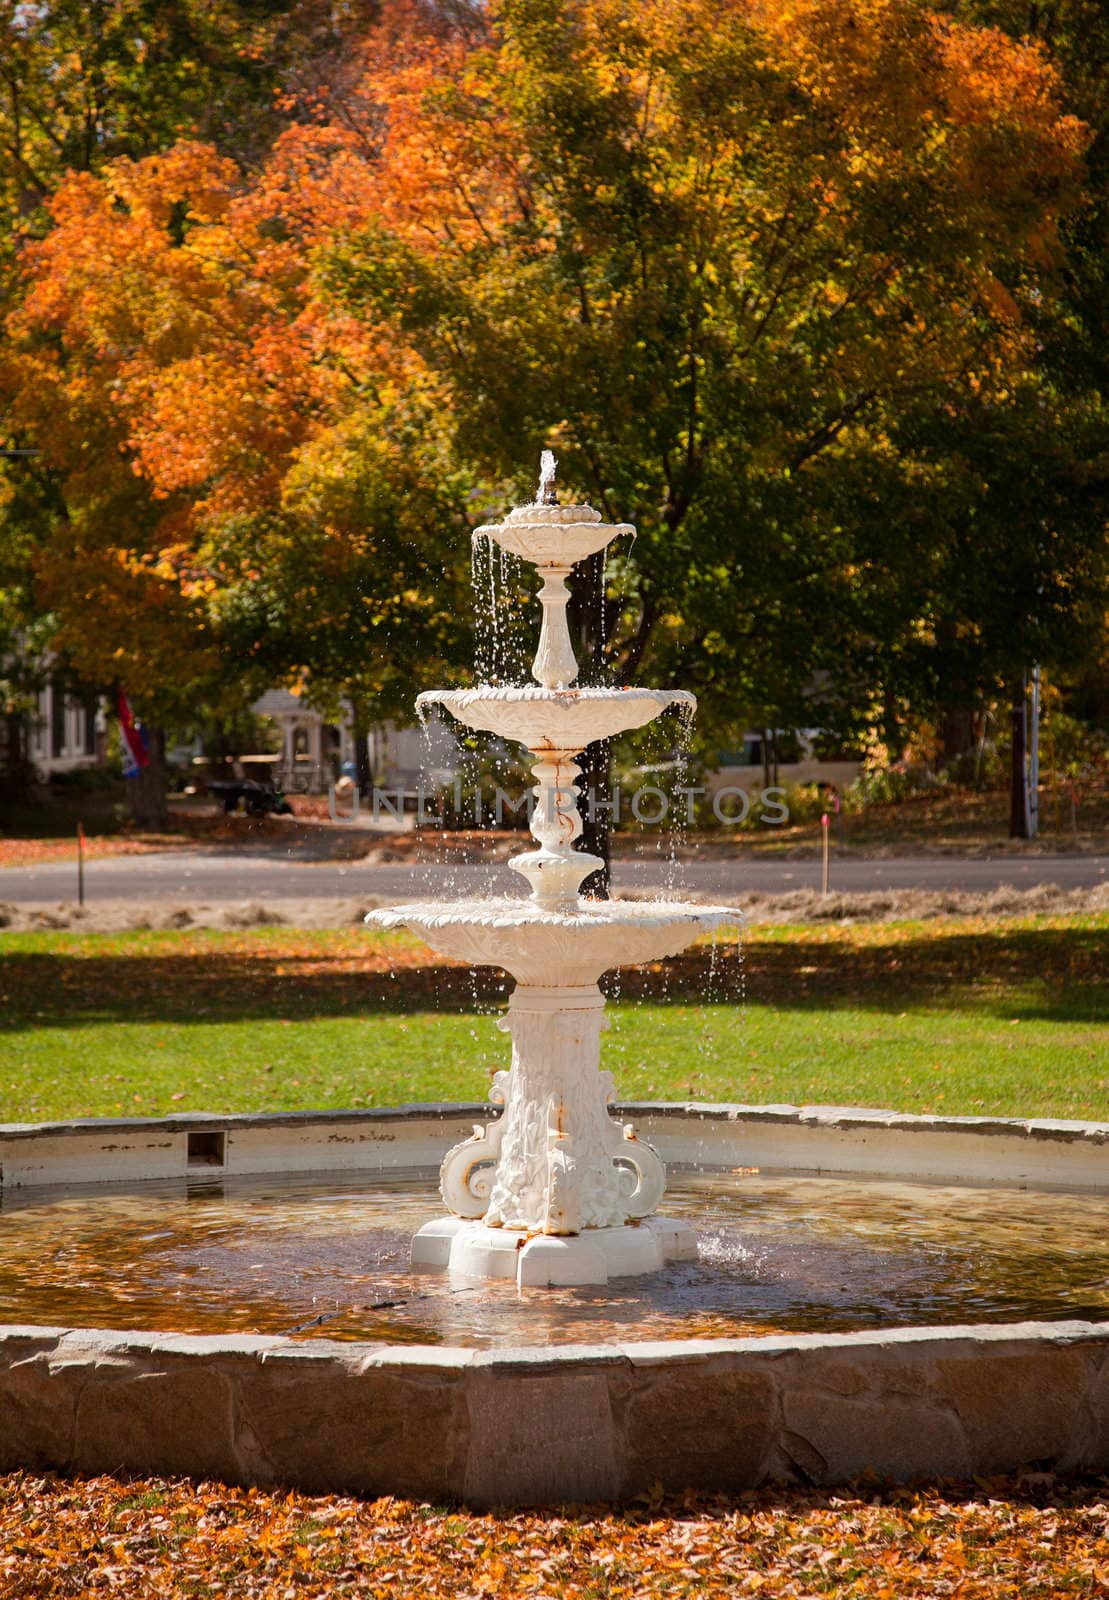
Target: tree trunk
x=891 y=725
x=957 y=734
x=1018 y=798
x=596 y=784
x=17 y=777
x=147 y=791
x=359 y=732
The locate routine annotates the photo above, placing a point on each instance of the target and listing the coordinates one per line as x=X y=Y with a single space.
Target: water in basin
x=328 y=1256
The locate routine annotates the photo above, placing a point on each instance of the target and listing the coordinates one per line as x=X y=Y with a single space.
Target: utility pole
x=1018 y=783
x=1033 y=789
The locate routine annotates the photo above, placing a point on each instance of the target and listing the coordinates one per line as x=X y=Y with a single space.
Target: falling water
x=428 y=775
x=501 y=653
x=504 y=666
x=518 y=644
x=739 y=973
x=678 y=834
x=494 y=618
x=481 y=551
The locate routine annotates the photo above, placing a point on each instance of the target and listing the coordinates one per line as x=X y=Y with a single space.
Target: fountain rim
x=535 y=693
x=506 y=911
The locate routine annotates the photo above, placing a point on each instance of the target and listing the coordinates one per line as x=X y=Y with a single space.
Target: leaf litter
x=1007 y=1538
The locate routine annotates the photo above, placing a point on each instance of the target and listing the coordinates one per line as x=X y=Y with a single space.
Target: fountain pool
x=327 y=1256
x=895 y=1295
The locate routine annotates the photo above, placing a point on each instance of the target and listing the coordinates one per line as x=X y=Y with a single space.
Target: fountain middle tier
x=556 y=948
x=555 y=719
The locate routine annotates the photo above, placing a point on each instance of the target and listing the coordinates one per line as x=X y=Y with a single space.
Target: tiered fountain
x=554 y=1191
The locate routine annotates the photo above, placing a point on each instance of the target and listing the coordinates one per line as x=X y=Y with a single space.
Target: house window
x=90 y=728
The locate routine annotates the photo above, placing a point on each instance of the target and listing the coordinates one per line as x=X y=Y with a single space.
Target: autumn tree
x=717 y=255
x=82 y=84
x=234 y=508
x=744 y=267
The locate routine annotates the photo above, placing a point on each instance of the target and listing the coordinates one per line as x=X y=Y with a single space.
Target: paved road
x=237 y=875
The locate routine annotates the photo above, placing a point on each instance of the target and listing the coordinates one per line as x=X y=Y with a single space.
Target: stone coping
x=222 y=1121
x=574 y=1423
x=862 y=1117
x=834 y=1140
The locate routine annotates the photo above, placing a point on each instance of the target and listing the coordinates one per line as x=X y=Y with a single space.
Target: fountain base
x=468 y=1249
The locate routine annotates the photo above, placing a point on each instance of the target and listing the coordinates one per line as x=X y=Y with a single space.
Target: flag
x=136 y=750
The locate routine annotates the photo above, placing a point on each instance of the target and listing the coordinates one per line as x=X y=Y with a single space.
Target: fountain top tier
x=554 y=538
x=555 y=721
x=553 y=535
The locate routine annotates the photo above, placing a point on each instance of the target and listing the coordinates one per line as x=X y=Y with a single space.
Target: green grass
x=1000 y=1016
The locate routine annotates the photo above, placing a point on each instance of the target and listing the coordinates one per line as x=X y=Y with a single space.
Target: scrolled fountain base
x=471 y=1250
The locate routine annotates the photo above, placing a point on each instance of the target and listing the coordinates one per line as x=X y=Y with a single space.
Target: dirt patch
x=898 y=905
x=118 y=916
x=798 y=906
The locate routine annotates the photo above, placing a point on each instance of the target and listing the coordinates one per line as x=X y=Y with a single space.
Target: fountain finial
x=547 y=494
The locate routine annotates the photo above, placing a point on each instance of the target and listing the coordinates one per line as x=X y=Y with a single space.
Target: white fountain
x=555 y=1192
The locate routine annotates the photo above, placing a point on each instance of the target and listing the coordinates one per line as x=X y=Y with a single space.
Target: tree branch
x=828 y=431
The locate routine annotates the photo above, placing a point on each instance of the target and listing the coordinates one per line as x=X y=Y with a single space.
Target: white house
x=314 y=751
x=66 y=732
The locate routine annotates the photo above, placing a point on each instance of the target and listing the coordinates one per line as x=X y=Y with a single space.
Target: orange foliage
x=180 y=363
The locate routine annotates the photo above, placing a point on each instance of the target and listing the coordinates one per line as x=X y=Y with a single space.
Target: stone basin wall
x=580 y=1424
x=1040 y=1152
x=534 y=1426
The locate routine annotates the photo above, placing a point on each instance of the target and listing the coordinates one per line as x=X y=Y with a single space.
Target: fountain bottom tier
x=555 y=1191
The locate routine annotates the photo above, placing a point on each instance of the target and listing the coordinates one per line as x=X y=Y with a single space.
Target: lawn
x=999 y=1016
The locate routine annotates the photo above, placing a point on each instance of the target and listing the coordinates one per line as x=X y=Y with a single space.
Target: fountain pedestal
x=555 y=1192
x=560 y=1188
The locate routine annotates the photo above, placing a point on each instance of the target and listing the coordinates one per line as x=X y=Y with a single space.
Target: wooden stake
x=825 y=835
x=80 y=863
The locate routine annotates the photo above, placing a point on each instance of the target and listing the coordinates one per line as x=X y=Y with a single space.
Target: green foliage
x=888 y=785
x=746 y=296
